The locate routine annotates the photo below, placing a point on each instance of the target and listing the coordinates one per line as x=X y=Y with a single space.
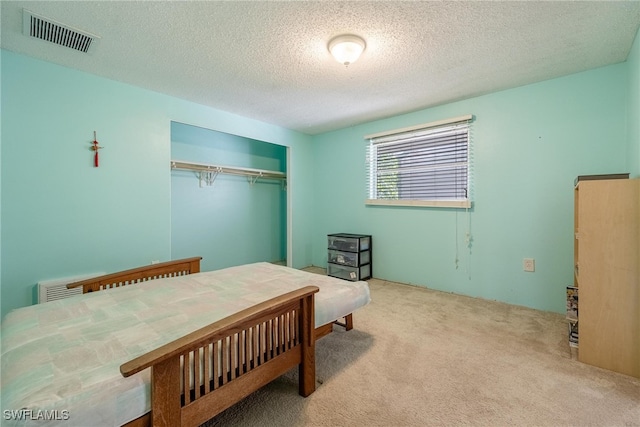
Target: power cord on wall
x=468 y=239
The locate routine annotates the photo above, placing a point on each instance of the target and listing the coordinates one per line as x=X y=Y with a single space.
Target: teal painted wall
x=231 y=222
x=60 y=216
x=529 y=144
x=633 y=115
x=63 y=217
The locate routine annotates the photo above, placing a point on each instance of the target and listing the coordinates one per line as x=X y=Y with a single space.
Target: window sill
x=461 y=204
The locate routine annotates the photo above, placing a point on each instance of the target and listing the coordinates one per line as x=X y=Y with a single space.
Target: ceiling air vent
x=47 y=29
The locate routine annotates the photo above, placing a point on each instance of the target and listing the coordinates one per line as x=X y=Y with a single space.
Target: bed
x=218 y=335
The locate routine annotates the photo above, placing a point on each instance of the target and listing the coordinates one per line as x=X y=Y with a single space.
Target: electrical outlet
x=529 y=264
x=155 y=261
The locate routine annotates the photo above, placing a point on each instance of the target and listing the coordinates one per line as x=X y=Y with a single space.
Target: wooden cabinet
x=607 y=273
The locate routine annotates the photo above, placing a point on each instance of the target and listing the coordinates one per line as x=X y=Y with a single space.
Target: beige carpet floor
x=418 y=357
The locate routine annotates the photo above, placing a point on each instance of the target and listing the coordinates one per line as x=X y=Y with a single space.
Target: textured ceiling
x=269 y=60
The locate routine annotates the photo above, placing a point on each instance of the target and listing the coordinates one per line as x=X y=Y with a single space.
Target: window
x=425 y=165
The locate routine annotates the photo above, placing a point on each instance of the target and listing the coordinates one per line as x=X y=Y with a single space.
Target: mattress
x=61 y=360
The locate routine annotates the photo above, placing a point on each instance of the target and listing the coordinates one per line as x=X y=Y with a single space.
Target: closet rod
x=203 y=167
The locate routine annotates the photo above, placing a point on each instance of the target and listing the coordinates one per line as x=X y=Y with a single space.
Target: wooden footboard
x=178 y=267
x=198 y=376
x=236 y=355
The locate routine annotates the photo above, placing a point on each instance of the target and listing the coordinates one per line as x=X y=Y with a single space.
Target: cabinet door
x=609 y=311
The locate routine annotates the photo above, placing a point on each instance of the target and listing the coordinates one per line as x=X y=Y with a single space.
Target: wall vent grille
x=51 y=290
x=47 y=29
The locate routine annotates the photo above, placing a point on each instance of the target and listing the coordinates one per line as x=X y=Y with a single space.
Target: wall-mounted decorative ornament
x=95 y=147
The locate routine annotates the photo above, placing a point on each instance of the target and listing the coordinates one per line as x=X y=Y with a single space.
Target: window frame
x=435 y=202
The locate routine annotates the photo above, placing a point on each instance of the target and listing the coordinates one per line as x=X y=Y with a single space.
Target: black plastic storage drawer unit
x=349 y=256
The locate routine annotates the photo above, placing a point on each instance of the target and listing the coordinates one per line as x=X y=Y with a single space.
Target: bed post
x=194 y=265
x=307 y=367
x=165 y=380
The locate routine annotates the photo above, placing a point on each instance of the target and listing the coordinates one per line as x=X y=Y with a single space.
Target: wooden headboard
x=180 y=267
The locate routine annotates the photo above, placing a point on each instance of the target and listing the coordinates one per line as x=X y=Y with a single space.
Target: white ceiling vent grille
x=47 y=29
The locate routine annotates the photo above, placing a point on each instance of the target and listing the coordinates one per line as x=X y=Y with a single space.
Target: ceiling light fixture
x=346 y=48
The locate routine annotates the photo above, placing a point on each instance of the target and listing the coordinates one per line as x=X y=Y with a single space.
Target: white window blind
x=425 y=165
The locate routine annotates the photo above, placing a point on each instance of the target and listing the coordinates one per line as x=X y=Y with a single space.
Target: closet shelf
x=207 y=173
